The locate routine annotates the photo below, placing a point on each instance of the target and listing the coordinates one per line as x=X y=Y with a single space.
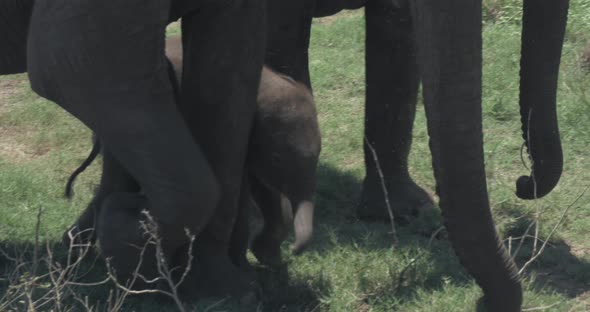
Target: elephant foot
x=217 y=276
x=267 y=250
x=123 y=241
x=407 y=200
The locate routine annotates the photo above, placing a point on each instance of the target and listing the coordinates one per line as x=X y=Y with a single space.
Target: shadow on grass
x=20 y=261
x=16 y=265
x=337 y=227
x=418 y=266
x=282 y=293
x=557 y=268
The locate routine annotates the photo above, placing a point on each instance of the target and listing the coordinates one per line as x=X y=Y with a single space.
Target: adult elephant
x=440 y=42
x=391 y=60
x=104 y=62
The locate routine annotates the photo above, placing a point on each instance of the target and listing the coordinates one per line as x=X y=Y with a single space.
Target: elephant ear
x=14 y=25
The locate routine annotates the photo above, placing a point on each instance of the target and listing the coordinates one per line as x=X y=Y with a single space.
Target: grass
x=351 y=266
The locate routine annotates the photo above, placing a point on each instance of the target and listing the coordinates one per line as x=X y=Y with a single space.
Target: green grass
x=351 y=266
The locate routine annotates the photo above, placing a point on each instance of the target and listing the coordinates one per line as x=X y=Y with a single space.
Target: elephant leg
x=288 y=33
x=105 y=64
x=392 y=86
x=114 y=178
x=240 y=235
x=450 y=54
x=223 y=51
x=266 y=246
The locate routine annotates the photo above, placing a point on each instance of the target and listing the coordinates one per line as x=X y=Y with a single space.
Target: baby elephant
x=282 y=160
x=281 y=165
x=283 y=154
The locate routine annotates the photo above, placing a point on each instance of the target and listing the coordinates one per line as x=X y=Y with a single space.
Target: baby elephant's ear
x=14 y=29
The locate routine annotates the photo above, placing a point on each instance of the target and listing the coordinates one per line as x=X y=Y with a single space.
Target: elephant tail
x=91 y=157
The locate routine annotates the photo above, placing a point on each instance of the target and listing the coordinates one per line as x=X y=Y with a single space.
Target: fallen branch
x=385 y=193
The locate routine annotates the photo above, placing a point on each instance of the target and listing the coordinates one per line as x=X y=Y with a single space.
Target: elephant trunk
x=449 y=38
x=303 y=224
x=544 y=23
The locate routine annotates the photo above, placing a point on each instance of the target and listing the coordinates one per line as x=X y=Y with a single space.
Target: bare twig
x=7 y=256
x=537 y=211
x=189 y=259
x=30 y=290
x=214 y=305
x=163 y=268
x=36 y=248
x=84 y=302
x=150 y=227
x=522 y=156
x=384 y=188
x=541 y=307
x=536 y=251
x=559 y=222
x=525 y=234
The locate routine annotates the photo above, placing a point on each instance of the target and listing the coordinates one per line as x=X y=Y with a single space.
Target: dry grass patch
x=585 y=58
x=12 y=147
x=10 y=87
x=16 y=145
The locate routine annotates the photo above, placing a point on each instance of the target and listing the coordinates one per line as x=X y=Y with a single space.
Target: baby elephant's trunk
x=303 y=224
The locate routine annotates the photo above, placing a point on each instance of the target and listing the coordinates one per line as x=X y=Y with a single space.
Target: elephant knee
x=189 y=207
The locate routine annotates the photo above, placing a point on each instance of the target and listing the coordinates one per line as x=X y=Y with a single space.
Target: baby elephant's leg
x=267 y=244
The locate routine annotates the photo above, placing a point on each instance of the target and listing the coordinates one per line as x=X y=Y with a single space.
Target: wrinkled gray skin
x=281 y=170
